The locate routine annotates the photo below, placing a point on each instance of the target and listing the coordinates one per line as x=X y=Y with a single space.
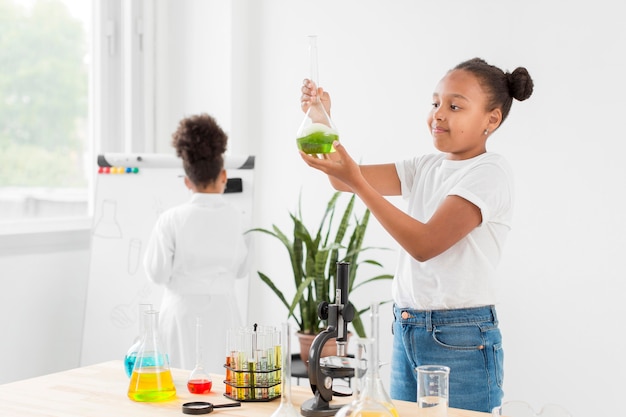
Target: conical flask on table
x=199 y=381
x=365 y=403
x=371 y=397
x=373 y=383
x=317 y=131
x=152 y=378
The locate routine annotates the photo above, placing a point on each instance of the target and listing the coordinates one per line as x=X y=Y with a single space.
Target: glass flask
x=371 y=394
x=374 y=385
x=317 y=131
x=199 y=381
x=131 y=354
x=151 y=379
x=286 y=408
x=365 y=403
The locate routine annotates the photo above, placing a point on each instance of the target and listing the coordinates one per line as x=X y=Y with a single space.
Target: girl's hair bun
x=199 y=138
x=201 y=143
x=520 y=84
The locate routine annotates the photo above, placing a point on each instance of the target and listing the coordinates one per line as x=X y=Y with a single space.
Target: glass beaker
x=432 y=390
x=199 y=381
x=151 y=379
x=317 y=131
x=131 y=354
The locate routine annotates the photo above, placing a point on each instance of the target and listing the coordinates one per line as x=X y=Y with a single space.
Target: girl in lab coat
x=197 y=251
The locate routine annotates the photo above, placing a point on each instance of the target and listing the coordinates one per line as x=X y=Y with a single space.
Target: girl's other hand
x=309 y=92
x=343 y=172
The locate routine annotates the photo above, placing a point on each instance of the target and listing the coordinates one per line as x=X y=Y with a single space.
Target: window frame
x=121 y=85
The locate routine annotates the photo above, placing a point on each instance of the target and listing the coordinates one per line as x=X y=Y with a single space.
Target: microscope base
x=317 y=407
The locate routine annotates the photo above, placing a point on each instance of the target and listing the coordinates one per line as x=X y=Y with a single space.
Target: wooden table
x=100 y=391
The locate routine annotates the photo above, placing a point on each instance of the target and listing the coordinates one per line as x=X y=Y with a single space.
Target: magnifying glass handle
x=226 y=405
x=202 y=407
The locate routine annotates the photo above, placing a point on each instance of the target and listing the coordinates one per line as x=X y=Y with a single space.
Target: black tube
x=343 y=281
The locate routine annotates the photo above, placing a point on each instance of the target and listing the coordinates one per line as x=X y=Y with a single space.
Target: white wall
x=43 y=283
x=192 y=75
x=562 y=276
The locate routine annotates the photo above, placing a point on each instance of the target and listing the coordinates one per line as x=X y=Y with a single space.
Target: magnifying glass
x=201 y=407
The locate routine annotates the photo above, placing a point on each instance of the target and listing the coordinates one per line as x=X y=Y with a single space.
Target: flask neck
x=150 y=323
x=375 y=364
x=285 y=364
x=150 y=340
x=314 y=67
x=313 y=60
x=372 y=376
x=199 y=359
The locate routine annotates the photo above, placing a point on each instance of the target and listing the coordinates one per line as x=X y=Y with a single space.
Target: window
x=44 y=108
x=72 y=85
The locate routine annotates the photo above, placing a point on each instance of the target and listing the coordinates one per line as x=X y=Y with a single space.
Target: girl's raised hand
x=309 y=91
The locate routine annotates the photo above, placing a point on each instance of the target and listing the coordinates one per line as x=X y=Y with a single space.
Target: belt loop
x=429 y=322
x=495 y=316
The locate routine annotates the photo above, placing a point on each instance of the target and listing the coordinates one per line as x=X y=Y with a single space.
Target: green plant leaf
x=314 y=258
x=279 y=294
x=299 y=293
x=357 y=323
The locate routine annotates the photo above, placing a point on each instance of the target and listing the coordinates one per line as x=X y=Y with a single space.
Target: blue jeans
x=467 y=340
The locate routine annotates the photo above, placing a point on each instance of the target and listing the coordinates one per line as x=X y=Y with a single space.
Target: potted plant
x=313 y=260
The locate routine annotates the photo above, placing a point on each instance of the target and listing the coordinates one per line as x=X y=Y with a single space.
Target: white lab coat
x=196 y=251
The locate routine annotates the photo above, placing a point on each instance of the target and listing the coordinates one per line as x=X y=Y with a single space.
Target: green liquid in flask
x=317 y=142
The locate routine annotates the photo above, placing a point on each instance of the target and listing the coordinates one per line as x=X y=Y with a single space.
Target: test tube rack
x=253 y=367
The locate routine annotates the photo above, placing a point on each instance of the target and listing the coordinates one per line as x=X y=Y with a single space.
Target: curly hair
x=201 y=144
x=501 y=86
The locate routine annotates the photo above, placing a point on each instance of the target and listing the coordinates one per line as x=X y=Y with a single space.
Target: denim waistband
x=427 y=318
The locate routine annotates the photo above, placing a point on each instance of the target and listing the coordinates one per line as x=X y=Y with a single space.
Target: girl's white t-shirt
x=464 y=275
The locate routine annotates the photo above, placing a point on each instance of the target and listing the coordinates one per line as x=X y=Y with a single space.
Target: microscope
x=337 y=315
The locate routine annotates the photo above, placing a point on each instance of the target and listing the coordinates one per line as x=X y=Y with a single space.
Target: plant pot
x=329 y=348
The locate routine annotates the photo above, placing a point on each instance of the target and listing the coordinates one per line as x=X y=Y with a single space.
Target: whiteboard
x=131 y=192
